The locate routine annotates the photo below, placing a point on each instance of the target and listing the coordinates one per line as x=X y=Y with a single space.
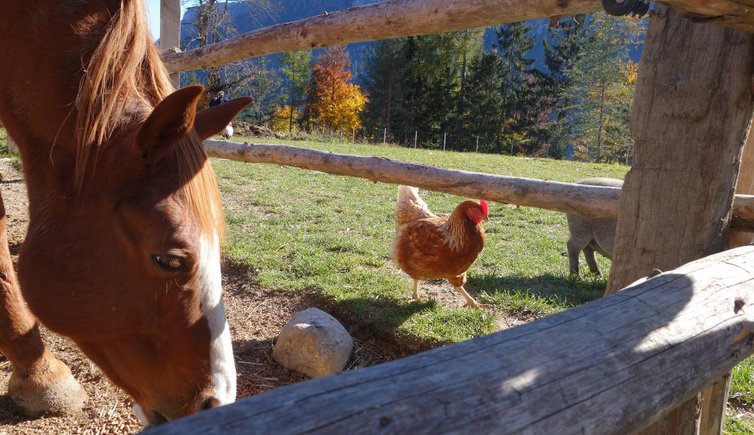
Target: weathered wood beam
x=384 y=20
x=743 y=212
x=744 y=186
x=738 y=14
x=611 y=366
x=397 y=18
x=690 y=123
x=170 y=32
x=552 y=195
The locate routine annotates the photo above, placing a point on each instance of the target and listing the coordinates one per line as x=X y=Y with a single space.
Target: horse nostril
x=210 y=402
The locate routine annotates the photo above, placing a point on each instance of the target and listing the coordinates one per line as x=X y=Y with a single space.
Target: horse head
x=128 y=266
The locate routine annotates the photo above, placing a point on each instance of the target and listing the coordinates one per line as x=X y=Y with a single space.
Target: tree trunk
x=291 y=88
x=601 y=123
x=389 y=109
x=462 y=93
x=690 y=119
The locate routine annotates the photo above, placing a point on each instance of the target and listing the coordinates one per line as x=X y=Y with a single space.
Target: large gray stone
x=313 y=343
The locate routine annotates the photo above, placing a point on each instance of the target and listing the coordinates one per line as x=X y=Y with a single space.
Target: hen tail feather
x=410 y=206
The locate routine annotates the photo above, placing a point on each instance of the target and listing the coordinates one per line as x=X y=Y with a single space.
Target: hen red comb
x=485 y=207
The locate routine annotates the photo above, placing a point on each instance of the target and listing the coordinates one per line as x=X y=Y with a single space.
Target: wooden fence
x=396 y=18
x=594 y=201
x=614 y=365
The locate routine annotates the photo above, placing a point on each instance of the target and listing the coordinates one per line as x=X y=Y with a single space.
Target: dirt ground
x=255 y=318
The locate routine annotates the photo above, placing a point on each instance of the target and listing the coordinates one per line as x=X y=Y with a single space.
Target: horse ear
x=213 y=120
x=168 y=123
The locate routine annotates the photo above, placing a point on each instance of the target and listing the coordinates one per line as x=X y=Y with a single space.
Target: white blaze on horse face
x=140 y=415
x=221 y=351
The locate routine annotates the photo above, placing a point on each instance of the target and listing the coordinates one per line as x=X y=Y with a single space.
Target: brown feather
x=440 y=246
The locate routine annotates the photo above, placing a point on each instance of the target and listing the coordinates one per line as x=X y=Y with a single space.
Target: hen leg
x=416 y=290
x=470 y=301
x=458 y=282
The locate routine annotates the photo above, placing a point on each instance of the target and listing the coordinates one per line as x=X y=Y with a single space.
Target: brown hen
x=427 y=246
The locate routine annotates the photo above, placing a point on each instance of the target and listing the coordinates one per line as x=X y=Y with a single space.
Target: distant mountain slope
x=291 y=10
x=285 y=11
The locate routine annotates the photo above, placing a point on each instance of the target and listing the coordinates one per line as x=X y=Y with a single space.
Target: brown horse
x=122 y=253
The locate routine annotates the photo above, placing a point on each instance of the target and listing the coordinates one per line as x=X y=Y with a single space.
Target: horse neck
x=40 y=85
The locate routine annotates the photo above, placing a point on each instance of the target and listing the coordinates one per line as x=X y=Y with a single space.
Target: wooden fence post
x=444 y=139
x=745 y=185
x=416 y=137
x=679 y=175
x=170 y=32
x=715 y=397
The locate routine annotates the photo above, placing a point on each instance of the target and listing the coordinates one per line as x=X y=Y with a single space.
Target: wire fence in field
x=483 y=143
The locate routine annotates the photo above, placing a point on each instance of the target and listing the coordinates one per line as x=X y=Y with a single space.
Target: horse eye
x=170 y=263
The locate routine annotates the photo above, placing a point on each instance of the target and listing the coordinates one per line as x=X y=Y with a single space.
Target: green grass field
x=296 y=230
x=299 y=230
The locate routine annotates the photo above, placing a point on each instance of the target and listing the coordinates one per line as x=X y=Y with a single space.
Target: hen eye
x=170 y=263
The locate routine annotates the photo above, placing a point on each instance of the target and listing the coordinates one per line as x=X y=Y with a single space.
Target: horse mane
x=125 y=66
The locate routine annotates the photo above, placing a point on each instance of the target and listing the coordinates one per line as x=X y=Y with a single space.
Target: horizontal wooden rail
x=384 y=20
x=743 y=212
x=397 y=18
x=611 y=366
x=552 y=195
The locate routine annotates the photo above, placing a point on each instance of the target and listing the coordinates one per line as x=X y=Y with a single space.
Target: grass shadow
x=379 y=319
x=541 y=294
x=368 y=319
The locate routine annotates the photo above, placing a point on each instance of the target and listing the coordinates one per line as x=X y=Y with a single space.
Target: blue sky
x=153 y=9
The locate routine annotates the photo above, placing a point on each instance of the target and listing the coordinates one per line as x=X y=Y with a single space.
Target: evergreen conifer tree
x=482 y=116
x=599 y=92
x=297 y=70
x=385 y=85
x=562 y=48
x=514 y=41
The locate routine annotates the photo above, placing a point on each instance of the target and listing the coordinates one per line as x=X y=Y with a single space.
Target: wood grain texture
x=609 y=367
x=743 y=212
x=715 y=398
x=397 y=18
x=690 y=119
x=383 y=20
x=552 y=195
x=170 y=32
x=738 y=14
x=745 y=186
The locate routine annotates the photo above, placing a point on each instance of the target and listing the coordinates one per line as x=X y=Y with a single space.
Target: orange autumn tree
x=334 y=103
